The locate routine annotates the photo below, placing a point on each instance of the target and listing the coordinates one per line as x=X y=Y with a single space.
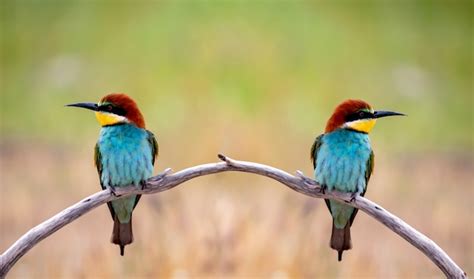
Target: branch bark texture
x=166 y=181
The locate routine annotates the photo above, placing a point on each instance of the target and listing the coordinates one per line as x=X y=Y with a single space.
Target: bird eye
x=362 y=114
x=109 y=108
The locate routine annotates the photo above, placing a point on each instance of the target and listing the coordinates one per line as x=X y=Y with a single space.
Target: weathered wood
x=166 y=181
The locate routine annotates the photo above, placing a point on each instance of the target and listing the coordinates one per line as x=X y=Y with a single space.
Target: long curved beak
x=383 y=113
x=90 y=106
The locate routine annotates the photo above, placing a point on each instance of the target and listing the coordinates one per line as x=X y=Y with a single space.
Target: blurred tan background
x=255 y=81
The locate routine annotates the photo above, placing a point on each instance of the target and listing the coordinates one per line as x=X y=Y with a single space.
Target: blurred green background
x=255 y=80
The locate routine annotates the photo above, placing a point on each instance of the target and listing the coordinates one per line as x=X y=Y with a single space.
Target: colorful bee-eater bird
x=124 y=155
x=343 y=160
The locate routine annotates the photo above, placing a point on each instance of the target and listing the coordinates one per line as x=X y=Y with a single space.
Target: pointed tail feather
x=122 y=234
x=341 y=240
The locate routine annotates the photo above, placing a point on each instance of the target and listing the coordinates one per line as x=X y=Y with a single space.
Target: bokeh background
x=255 y=80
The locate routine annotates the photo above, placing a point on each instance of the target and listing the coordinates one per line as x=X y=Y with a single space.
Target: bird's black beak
x=383 y=113
x=90 y=106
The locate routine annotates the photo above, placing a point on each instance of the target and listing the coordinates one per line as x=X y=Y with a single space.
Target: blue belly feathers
x=126 y=159
x=341 y=165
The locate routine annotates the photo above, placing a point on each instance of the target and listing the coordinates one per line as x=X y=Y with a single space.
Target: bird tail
x=122 y=234
x=341 y=239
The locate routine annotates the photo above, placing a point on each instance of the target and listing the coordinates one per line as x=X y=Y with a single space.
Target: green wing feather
x=98 y=164
x=314 y=149
x=368 y=173
x=314 y=157
x=154 y=146
x=154 y=153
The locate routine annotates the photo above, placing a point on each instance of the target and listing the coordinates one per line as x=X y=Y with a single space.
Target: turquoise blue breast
x=342 y=160
x=126 y=155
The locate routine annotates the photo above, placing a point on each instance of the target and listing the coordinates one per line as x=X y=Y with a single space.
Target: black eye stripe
x=361 y=114
x=112 y=109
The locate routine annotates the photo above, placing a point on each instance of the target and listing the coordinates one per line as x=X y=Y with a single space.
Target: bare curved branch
x=166 y=181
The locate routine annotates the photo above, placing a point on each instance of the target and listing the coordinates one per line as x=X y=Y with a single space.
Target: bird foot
x=112 y=190
x=323 y=189
x=353 y=197
x=142 y=184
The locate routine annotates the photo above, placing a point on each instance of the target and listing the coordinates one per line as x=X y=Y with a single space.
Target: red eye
x=109 y=108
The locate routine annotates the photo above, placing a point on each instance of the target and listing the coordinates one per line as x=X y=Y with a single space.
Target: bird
x=124 y=155
x=343 y=160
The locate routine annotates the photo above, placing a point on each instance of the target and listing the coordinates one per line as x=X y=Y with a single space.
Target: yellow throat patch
x=106 y=119
x=362 y=125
